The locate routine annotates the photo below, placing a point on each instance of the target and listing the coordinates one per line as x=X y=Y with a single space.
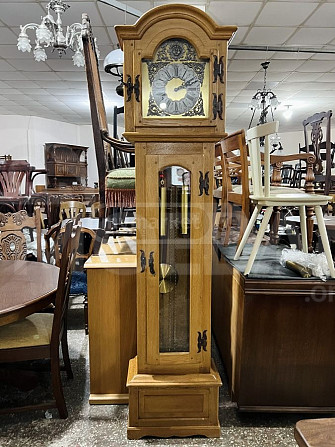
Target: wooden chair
x=13 y=244
x=102 y=140
x=315 y=432
x=39 y=335
x=316 y=127
x=72 y=209
x=15 y=184
x=95 y=208
x=89 y=243
x=232 y=151
x=266 y=197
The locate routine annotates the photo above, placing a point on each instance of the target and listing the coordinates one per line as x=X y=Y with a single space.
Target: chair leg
x=66 y=357
x=86 y=314
x=250 y=226
x=258 y=239
x=243 y=224
x=324 y=238
x=57 y=387
x=303 y=228
x=228 y=223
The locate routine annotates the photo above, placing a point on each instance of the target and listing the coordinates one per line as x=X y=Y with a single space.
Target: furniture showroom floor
x=106 y=425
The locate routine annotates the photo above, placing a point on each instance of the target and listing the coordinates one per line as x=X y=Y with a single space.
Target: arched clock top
x=191 y=16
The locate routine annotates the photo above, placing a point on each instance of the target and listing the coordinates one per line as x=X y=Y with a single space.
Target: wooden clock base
x=173 y=405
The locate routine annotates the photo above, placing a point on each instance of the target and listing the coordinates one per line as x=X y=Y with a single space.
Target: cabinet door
x=177 y=307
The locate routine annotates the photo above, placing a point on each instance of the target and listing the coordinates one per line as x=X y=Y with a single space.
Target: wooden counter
x=276 y=338
x=111 y=280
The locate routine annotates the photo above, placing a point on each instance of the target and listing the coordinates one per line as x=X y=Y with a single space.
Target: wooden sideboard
x=111 y=281
x=276 y=338
x=65 y=164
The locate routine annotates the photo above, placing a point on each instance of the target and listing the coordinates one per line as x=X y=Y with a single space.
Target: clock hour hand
x=185 y=84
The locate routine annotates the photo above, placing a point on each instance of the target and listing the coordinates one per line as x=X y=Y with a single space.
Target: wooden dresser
x=276 y=338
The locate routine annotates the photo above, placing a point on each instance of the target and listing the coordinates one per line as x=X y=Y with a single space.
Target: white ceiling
x=56 y=89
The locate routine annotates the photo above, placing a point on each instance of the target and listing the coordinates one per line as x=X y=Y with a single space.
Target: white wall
x=23 y=138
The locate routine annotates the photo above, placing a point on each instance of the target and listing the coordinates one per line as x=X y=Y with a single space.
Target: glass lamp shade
x=23 y=43
x=40 y=54
x=78 y=59
x=113 y=62
x=43 y=35
x=274 y=102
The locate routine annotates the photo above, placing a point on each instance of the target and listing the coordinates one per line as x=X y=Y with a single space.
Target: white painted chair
x=264 y=196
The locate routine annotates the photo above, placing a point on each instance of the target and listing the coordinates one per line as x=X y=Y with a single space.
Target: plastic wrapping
x=317 y=262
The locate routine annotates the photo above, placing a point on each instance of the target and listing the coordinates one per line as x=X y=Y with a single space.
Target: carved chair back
x=15 y=176
x=318 y=141
x=13 y=244
x=72 y=209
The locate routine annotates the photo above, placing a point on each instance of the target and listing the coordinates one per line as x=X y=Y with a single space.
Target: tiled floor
x=89 y=426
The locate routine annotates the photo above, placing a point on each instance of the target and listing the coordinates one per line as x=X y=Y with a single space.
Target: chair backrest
x=52 y=248
x=102 y=141
x=318 y=140
x=256 y=164
x=89 y=243
x=67 y=262
x=15 y=179
x=71 y=209
x=13 y=244
x=235 y=161
x=95 y=207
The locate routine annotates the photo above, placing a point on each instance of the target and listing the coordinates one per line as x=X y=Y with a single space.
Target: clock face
x=176 y=89
x=175 y=82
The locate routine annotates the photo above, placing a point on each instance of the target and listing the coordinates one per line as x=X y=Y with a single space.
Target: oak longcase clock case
x=174 y=83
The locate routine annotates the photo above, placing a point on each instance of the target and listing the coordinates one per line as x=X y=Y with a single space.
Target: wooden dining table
x=25 y=287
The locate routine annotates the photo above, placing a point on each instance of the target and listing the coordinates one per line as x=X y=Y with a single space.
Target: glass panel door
x=174 y=259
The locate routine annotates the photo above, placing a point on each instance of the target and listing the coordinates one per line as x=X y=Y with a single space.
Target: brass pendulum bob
x=168 y=278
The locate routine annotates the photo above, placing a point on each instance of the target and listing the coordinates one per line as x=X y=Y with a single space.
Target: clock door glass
x=174 y=259
x=175 y=82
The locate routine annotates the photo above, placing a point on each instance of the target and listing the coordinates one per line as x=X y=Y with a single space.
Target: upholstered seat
x=34 y=330
x=120 y=188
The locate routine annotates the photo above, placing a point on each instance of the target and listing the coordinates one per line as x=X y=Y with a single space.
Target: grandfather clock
x=175 y=60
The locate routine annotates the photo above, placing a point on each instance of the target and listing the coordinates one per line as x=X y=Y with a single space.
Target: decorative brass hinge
x=218 y=69
x=204 y=183
x=202 y=341
x=143 y=261
x=130 y=88
x=217 y=106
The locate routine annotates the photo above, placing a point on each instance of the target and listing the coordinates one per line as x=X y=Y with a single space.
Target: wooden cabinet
x=111 y=283
x=276 y=338
x=66 y=164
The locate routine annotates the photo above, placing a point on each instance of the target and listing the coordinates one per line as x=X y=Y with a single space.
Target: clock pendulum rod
x=163 y=204
x=184 y=206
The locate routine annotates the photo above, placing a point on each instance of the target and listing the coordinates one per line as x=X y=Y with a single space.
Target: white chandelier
x=50 y=34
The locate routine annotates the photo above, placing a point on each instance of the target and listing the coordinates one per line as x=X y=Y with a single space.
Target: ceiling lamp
x=288 y=112
x=264 y=100
x=113 y=64
x=50 y=34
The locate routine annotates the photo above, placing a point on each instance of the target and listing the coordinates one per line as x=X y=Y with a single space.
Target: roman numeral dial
x=176 y=88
